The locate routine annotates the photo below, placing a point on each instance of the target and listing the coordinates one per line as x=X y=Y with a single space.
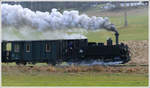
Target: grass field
x=23 y=76
x=137 y=30
x=75 y=79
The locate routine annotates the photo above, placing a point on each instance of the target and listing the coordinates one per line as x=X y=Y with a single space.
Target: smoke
x=95 y=62
x=17 y=17
x=25 y=33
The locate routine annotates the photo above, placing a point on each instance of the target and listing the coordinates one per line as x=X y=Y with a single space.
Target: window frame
x=47 y=47
x=28 y=49
x=16 y=48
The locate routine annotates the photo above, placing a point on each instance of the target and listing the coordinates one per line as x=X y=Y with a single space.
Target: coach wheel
x=33 y=63
x=17 y=63
x=24 y=63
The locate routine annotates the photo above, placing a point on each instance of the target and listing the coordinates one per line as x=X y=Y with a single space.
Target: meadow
x=74 y=76
x=137 y=29
x=75 y=79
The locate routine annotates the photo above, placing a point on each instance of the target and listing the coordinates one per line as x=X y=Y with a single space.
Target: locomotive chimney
x=111 y=27
x=117 y=38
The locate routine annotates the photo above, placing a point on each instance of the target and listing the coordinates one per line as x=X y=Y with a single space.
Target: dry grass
x=138 y=51
x=51 y=69
x=84 y=68
x=76 y=69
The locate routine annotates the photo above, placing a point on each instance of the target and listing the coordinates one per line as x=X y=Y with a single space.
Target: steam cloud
x=48 y=25
x=17 y=16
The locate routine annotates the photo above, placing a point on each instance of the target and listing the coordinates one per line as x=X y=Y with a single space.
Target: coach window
x=48 y=47
x=16 y=48
x=8 y=47
x=27 y=47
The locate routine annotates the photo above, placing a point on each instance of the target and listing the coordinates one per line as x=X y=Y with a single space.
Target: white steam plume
x=25 y=33
x=18 y=17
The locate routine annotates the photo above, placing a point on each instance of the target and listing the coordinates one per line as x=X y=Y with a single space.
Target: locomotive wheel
x=53 y=64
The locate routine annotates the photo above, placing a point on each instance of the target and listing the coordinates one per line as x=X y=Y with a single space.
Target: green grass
x=137 y=28
x=74 y=79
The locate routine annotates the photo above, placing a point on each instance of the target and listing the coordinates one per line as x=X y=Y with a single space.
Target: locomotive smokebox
x=117 y=38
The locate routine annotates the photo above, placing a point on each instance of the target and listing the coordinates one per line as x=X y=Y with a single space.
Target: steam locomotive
x=65 y=50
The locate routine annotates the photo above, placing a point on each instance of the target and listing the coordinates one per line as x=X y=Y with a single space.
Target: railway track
x=114 y=65
x=144 y=65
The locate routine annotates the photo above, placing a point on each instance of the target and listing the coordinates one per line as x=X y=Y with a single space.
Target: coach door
x=36 y=50
x=27 y=54
x=50 y=50
x=16 y=50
